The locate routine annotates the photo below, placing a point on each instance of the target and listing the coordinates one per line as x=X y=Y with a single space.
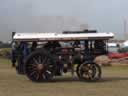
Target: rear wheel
x=39 y=66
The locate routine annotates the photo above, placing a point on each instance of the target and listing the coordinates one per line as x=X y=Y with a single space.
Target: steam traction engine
x=42 y=56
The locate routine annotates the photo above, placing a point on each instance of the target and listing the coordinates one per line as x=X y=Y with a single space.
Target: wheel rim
x=97 y=72
x=38 y=68
x=89 y=72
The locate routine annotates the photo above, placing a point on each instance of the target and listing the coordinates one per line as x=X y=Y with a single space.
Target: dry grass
x=114 y=83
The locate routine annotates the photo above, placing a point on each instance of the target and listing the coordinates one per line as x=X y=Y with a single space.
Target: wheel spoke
x=33 y=65
x=43 y=75
x=37 y=76
x=45 y=60
x=33 y=73
x=31 y=70
x=40 y=59
x=35 y=61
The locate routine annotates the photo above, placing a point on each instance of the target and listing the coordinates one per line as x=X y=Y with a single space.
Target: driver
x=52 y=44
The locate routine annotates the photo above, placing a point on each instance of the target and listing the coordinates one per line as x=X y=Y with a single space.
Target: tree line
x=5 y=45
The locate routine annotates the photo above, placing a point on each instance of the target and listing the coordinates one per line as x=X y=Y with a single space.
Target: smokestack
x=13 y=33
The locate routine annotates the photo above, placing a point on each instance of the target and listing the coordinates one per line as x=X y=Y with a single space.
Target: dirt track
x=114 y=83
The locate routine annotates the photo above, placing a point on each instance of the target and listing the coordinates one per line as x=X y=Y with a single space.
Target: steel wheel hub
x=40 y=67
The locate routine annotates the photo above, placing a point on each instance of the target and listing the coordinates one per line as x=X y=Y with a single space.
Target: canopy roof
x=61 y=37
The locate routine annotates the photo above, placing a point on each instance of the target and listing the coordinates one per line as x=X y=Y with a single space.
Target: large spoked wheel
x=39 y=66
x=89 y=72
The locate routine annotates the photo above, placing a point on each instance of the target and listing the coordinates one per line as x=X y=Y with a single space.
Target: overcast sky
x=52 y=15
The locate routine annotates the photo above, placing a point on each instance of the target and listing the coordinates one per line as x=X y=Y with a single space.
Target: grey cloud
x=9 y=24
x=26 y=15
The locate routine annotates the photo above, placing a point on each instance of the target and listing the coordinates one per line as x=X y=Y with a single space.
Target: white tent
x=125 y=44
x=112 y=44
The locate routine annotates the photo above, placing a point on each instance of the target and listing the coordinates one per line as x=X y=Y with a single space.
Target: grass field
x=113 y=83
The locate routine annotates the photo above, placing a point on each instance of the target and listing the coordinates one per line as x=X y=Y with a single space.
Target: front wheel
x=89 y=71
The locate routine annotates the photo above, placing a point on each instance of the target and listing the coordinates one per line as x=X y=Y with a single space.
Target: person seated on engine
x=56 y=44
x=52 y=44
x=34 y=46
x=76 y=44
x=99 y=46
x=48 y=45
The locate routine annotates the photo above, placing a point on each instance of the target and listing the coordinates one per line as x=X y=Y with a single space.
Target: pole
x=125 y=29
